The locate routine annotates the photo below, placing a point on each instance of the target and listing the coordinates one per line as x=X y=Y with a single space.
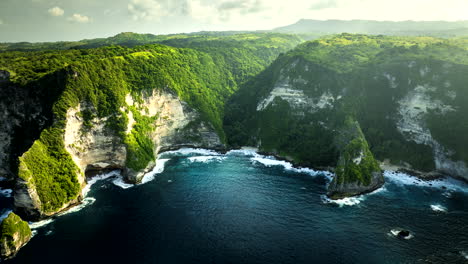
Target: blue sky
x=52 y=20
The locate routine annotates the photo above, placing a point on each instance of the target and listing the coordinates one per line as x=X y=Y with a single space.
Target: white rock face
x=98 y=149
x=296 y=98
x=413 y=109
x=95 y=148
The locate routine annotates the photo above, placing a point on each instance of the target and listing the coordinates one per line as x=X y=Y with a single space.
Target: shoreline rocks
x=14 y=234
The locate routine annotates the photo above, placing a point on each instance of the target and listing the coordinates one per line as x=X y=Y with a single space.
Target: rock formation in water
x=14 y=234
x=357 y=172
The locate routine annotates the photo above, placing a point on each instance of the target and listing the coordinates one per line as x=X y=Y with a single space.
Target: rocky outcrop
x=357 y=171
x=24 y=114
x=93 y=147
x=176 y=125
x=14 y=234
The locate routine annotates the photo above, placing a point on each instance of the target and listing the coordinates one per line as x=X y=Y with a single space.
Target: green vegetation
x=48 y=168
x=203 y=70
x=14 y=233
x=356 y=164
x=368 y=77
x=140 y=147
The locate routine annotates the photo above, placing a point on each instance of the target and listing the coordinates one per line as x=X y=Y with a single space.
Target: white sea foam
x=438 y=208
x=191 y=151
x=159 y=168
x=206 y=159
x=270 y=161
x=36 y=225
x=348 y=201
x=5 y=215
x=464 y=254
x=6 y=192
x=119 y=181
x=86 y=201
x=97 y=178
x=396 y=231
x=405 y=179
x=48 y=233
x=448 y=194
x=33 y=233
x=245 y=151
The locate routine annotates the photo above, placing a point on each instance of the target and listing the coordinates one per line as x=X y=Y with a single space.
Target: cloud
x=56 y=11
x=244 y=6
x=79 y=18
x=146 y=10
x=1 y=22
x=324 y=4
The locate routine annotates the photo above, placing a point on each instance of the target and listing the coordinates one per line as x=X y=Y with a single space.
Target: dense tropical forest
x=369 y=78
x=202 y=70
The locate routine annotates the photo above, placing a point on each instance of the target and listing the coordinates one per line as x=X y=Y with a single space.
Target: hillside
x=404 y=28
x=115 y=107
x=405 y=93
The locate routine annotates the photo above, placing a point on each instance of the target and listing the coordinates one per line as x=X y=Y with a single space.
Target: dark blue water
x=237 y=210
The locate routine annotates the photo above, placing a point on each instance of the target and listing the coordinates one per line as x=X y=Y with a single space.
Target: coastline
x=385 y=166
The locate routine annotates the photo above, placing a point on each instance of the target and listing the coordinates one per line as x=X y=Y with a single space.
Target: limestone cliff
x=93 y=147
x=14 y=234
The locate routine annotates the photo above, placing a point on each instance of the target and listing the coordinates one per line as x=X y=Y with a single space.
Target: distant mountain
x=410 y=28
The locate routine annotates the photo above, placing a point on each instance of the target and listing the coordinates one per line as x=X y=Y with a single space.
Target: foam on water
x=405 y=179
x=119 y=181
x=206 y=159
x=438 y=208
x=159 y=168
x=191 y=151
x=350 y=201
x=396 y=231
x=270 y=161
x=6 y=192
x=86 y=201
x=246 y=151
x=97 y=178
x=36 y=225
x=464 y=254
x=5 y=215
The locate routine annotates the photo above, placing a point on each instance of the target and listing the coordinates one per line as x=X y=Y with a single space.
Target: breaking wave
x=402 y=179
x=438 y=208
x=270 y=161
x=6 y=192
x=159 y=168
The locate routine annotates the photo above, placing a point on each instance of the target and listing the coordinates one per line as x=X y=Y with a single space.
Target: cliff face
x=14 y=234
x=93 y=147
x=409 y=101
x=25 y=112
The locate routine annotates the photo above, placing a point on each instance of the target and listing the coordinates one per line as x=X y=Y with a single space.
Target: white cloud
x=56 y=11
x=79 y=18
x=146 y=10
x=324 y=4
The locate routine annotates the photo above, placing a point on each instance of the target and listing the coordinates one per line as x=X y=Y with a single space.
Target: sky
x=54 y=20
